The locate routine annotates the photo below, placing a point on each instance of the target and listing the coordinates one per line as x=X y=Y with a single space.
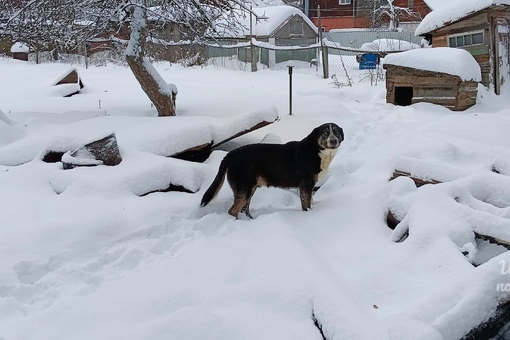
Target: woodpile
x=479 y=232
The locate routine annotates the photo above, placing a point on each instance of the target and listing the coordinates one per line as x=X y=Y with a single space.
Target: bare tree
x=386 y=10
x=70 y=23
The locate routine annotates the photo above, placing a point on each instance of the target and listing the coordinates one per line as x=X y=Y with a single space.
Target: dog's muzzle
x=333 y=142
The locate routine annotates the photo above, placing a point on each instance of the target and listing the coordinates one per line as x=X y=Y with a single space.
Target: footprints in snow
x=79 y=272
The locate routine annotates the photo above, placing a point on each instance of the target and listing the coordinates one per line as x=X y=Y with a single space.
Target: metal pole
x=353 y=13
x=290 y=89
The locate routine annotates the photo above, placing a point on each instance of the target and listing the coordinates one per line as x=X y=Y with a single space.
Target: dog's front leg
x=305 y=194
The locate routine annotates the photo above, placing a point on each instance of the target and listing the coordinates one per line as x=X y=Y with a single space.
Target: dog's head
x=329 y=136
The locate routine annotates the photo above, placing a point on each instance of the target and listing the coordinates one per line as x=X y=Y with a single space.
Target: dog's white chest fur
x=326 y=156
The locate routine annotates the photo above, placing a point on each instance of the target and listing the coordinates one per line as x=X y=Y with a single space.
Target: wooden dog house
x=443 y=76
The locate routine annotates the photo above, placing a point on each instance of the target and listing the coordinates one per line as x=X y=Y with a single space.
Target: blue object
x=368 y=61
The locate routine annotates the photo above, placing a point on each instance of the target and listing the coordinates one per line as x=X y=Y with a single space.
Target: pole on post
x=290 y=65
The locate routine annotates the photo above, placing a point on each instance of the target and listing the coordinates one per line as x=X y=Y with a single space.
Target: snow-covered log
x=495 y=327
x=417 y=181
x=201 y=152
x=102 y=151
x=69 y=83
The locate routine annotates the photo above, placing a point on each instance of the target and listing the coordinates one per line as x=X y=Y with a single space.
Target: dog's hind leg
x=246 y=208
x=305 y=194
x=240 y=201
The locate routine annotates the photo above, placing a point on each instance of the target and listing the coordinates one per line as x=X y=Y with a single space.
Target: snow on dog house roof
x=454 y=11
x=276 y=17
x=453 y=61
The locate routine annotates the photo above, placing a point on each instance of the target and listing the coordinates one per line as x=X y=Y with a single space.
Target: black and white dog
x=296 y=164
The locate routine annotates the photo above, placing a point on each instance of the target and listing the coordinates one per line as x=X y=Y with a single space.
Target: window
x=469 y=39
x=410 y=3
x=296 y=28
x=344 y=2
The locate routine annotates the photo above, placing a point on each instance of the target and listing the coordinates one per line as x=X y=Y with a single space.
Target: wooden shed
x=277 y=26
x=479 y=27
x=20 y=51
x=443 y=76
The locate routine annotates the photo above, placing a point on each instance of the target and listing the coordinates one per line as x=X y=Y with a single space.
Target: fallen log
x=391 y=220
x=417 y=181
x=171 y=187
x=201 y=152
x=496 y=327
x=195 y=154
x=494 y=240
x=253 y=128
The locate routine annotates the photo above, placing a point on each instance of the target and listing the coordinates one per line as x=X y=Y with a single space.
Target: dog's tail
x=216 y=184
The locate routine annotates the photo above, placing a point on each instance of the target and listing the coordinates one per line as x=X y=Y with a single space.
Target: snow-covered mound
x=388 y=45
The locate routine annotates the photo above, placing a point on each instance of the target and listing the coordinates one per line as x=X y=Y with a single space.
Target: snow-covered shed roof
x=454 y=11
x=276 y=16
x=19 y=47
x=453 y=61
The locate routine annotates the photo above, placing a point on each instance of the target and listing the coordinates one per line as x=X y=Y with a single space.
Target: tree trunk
x=150 y=80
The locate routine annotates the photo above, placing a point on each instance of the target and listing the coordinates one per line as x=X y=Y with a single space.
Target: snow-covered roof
x=388 y=45
x=19 y=47
x=274 y=16
x=454 y=61
x=453 y=11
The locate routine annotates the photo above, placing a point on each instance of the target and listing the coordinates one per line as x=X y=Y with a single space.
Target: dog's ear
x=341 y=131
x=317 y=131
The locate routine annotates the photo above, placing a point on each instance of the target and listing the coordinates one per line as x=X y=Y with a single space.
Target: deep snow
x=83 y=256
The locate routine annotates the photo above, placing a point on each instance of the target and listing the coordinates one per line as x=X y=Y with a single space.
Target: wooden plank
x=439 y=41
x=444 y=101
x=435 y=91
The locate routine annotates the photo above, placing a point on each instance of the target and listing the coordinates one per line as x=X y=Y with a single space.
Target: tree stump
x=69 y=83
x=103 y=151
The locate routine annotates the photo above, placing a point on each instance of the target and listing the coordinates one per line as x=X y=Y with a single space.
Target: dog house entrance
x=403 y=95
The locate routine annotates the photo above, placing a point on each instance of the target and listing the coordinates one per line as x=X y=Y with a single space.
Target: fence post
x=252 y=51
x=324 y=49
x=325 y=62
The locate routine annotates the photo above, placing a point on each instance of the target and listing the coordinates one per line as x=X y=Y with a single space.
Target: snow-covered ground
x=84 y=256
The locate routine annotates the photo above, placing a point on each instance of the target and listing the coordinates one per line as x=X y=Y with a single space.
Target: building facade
x=364 y=14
